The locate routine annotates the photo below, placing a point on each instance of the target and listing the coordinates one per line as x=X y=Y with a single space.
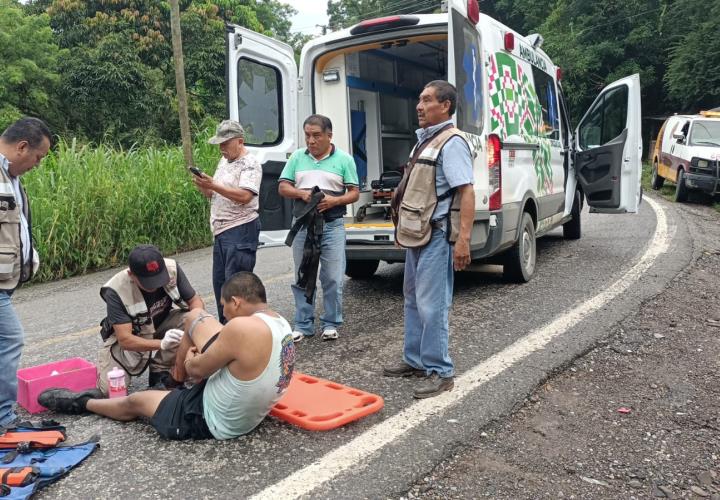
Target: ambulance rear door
x=262 y=89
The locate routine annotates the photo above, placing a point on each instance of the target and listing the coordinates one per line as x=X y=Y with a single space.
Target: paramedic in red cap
x=146 y=305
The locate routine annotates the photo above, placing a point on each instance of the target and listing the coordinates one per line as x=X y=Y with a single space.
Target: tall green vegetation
x=91 y=205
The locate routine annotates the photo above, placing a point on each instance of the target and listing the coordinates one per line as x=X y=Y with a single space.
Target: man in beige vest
x=146 y=306
x=428 y=279
x=22 y=146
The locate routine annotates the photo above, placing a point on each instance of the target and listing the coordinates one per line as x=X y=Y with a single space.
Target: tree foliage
x=28 y=64
x=118 y=77
x=692 y=79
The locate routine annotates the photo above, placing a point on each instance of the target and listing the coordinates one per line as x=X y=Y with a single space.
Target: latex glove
x=35 y=261
x=171 y=339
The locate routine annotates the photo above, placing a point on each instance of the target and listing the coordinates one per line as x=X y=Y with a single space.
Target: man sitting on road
x=146 y=305
x=246 y=366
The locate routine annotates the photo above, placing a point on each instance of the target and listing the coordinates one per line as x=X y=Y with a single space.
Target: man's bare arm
x=220 y=353
x=461 y=253
x=130 y=342
x=286 y=189
x=352 y=195
x=196 y=303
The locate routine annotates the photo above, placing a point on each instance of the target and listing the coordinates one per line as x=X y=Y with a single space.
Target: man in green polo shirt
x=321 y=164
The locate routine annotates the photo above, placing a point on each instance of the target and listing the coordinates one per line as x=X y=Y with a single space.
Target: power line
x=617 y=20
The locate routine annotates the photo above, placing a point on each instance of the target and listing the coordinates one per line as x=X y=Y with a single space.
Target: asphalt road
x=505 y=339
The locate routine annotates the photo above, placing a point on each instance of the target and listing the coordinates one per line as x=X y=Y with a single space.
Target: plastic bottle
x=116 y=383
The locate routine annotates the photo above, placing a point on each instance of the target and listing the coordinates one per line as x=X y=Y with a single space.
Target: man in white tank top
x=241 y=370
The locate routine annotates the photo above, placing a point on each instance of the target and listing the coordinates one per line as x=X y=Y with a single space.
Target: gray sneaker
x=66 y=401
x=434 y=386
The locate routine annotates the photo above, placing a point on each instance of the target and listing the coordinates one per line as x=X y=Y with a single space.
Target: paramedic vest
x=13 y=270
x=416 y=198
x=132 y=298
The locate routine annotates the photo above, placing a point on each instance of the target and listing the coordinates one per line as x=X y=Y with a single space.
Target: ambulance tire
x=681 y=190
x=656 y=182
x=361 y=269
x=572 y=229
x=519 y=265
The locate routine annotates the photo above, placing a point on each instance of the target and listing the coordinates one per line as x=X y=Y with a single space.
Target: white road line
x=356 y=452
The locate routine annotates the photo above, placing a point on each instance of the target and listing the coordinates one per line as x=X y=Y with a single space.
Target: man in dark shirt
x=146 y=305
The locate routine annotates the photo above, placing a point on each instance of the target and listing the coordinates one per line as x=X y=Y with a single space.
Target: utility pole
x=180 y=82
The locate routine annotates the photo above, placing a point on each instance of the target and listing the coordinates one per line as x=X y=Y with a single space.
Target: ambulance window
x=606 y=119
x=549 y=127
x=259 y=102
x=468 y=75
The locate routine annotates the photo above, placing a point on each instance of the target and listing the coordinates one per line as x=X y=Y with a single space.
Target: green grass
x=92 y=204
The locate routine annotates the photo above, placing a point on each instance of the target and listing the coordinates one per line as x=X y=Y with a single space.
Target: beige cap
x=228 y=129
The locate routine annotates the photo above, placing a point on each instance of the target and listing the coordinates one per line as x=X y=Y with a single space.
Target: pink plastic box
x=76 y=374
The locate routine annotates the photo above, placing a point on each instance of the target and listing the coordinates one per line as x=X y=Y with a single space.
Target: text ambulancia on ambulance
x=532 y=174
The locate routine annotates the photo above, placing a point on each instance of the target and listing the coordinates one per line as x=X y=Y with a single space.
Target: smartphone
x=196 y=171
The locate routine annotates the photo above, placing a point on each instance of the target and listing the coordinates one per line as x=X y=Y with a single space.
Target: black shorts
x=180 y=415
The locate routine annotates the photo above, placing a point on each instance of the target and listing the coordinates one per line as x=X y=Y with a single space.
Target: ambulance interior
x=382 y=83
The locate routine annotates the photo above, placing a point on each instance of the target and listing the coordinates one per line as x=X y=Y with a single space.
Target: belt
x=438 y=224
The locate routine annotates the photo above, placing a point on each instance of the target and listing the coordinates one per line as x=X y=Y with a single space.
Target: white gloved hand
x=171 y=339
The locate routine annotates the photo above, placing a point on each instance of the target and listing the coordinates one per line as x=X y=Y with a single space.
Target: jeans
x=11 y=344
x=332 y=273
x=233 y=251
x=428 y=289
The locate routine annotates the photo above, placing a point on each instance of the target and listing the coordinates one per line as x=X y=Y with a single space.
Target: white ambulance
x=531 y=172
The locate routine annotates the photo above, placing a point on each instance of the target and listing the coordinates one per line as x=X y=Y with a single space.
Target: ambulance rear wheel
x=361 y=269
x=519 y=265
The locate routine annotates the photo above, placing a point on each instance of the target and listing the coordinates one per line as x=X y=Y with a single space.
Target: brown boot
x=434 y=386
x=403 y=369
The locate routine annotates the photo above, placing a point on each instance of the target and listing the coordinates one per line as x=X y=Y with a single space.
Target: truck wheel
x=361 y=269
x=519 y=265
x=572 y=228
x=656 y=181
x=681 y=191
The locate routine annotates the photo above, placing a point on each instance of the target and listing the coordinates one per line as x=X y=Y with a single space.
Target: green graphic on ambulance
x=515 y=110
